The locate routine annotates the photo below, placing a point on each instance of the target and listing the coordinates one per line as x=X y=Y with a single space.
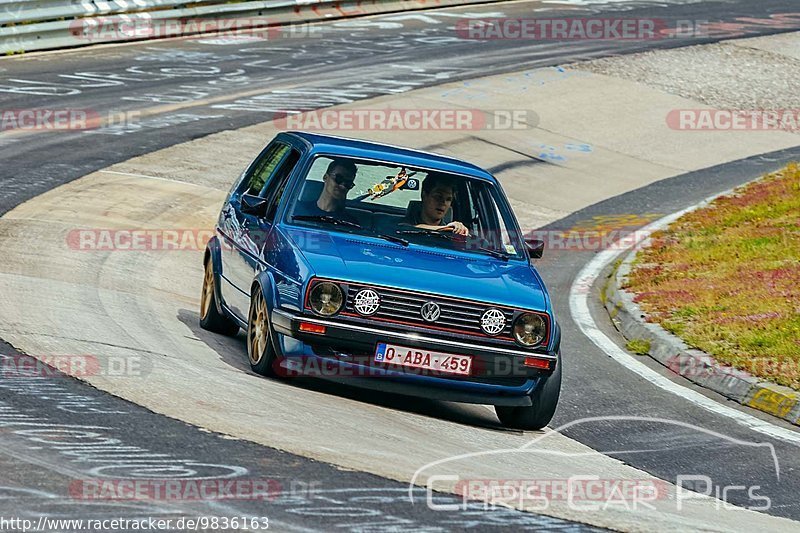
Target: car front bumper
x=345 y=354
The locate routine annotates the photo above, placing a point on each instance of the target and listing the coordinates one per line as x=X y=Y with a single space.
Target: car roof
x=333 y=145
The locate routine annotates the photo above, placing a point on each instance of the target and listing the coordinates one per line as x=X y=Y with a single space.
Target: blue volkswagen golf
x=387 y=268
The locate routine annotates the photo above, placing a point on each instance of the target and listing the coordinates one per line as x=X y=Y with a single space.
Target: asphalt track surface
x=205 y=88
x=342 y=62
x=48 y=423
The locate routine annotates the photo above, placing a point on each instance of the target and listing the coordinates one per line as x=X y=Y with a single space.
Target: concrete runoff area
x=143 y=305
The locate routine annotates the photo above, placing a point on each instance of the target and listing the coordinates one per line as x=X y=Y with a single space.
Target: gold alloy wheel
x=258 y=330
x=208 y=291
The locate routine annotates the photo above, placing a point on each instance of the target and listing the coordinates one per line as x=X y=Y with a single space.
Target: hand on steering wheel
x=456 y=227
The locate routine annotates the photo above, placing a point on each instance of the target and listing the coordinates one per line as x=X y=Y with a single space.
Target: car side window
x=491 y=224
x=277 y=185
x=462 y=206
x=475 y=210
x=259 y=179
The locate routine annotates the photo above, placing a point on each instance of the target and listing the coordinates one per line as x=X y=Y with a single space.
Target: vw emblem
x=493 y=321
x=430 y=312
x=367 y=302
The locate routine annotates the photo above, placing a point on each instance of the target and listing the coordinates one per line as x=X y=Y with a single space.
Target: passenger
x=337 y=181
x=438 y=193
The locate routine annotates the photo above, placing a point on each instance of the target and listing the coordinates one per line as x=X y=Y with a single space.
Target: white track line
x=579 y=307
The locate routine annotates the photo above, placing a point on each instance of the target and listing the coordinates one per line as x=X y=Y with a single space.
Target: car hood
x=431 y=270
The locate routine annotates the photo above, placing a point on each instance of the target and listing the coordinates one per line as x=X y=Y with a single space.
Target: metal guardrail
x=47 y=24
x=44 y=10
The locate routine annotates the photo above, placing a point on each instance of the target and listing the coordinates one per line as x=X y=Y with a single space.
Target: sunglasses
x=343 y=181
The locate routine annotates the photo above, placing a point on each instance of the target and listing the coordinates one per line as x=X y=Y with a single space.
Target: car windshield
x=408 y=206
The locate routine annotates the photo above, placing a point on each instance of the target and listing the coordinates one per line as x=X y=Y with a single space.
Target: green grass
x=726 y=278
x=638 y=346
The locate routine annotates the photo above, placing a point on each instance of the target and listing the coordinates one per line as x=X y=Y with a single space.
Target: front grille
x=455 y=315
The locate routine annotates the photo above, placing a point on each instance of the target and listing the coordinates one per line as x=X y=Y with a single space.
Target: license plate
x=424 y=359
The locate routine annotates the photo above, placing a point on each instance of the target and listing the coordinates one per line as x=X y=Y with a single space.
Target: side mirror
x=535 y=248
x=254 y=205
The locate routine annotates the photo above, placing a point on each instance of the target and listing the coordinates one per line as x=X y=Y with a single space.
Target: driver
x=337 y=181
x=438 y=193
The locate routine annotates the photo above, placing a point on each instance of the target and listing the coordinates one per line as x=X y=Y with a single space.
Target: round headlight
x=326 y=298
x=530 y=329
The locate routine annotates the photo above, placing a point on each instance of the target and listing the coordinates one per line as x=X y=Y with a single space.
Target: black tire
x=260 y=348
x=210 y=318
x=538 y=415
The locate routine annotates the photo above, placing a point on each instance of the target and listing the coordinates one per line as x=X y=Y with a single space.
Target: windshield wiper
x=451 y=237
x=427 y=232
x=392 y=238
x=494 y=253
x=339 y=222
x=329 y=219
